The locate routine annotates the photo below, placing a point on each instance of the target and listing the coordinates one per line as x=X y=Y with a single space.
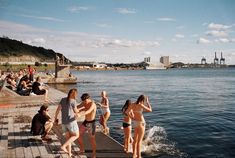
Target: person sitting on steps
x=42 y=123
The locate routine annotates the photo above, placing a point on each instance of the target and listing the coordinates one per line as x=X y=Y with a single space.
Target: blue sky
x=124 y=30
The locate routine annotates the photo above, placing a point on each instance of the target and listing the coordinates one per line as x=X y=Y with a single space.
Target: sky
x=124 y=31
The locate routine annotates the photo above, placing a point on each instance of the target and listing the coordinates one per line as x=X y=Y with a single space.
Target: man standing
x=31 y=72
x=89 y=108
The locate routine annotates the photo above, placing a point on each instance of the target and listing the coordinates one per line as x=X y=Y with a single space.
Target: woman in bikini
x=126 y=124
x=136 y=113
x=106 y=111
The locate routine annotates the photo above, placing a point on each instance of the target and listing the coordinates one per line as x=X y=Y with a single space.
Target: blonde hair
x=104 y=93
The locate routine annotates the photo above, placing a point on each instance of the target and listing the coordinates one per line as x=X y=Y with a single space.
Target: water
x=193 y=109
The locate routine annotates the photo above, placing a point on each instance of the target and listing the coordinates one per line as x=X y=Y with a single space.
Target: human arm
x=147 y=107
x=91 y=108
x=129 y=112
x=105 y=102
x=57 y=113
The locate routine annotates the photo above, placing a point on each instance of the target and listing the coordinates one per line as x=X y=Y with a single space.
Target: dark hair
x=126 y=105
x=140 y=99
x=71 y=94
x=42 y=108
x=85 y=96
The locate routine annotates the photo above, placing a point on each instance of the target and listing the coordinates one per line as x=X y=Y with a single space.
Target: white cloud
x=10 y=27
x=37 y=41
x=203 y=41
x=147 y=53
x=217 y=33
x=194 y=35
x=103 y=25
x=78 y=45
x=166 y=19
x=180 y=27
x=233 y=40
x=76 y=9
x=42 y=18
x=179 y=36
x=126 y=11
x=222 y=40
x=218 y=26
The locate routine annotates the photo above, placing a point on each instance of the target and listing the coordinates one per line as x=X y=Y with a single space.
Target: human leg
x=134 y=145
x=93 y=145
x=72 y=134
x=126 y=133
x=46 y=95
x=82 y=130
x=106 y=117
x=139 y=141
x=48 y=126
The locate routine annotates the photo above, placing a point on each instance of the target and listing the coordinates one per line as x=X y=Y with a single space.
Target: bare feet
x=81 y=152
x=93 y=155
x=64 y=149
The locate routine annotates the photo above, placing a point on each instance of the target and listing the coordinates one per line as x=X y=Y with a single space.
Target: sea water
x=193 y=109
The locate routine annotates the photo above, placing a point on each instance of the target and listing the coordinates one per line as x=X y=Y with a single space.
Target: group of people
x=70 y=111
x=23 y=82
x=133 y=115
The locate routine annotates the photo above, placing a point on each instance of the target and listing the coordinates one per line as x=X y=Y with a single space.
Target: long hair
x=72 y=94
x=126 y=105
x=141 y=98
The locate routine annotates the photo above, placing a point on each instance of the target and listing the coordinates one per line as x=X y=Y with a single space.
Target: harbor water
x=193 y=109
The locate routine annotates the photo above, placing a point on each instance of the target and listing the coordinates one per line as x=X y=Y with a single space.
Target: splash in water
x=156 y=143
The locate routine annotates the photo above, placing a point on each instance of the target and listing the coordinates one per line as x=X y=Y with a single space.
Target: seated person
x=38 y=89
x=23 y=88
x=42 y=123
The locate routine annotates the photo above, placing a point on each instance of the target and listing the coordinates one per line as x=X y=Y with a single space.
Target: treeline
x=10 y=47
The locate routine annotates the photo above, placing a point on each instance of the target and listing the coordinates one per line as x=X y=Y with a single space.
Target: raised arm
x=147 y=107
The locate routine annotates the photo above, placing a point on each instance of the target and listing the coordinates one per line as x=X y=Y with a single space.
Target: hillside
x=15 y=51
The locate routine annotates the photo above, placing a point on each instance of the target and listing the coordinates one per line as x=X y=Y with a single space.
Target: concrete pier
x=17 y=142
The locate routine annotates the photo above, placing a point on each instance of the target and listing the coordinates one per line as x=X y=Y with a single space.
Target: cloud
x=194 y=35
x=222 y=40
x=217 y=33
x=106 y=42
x=10 y=27
x=147 y=53
x=180 y=27
x=166 y=19
x=203 y=41
x=126 y=11
x=103 y=25
x=76 y=9
x=37 y=41
x=214 y=26
x=42 y=18
x=78 y=45
x=179 y=36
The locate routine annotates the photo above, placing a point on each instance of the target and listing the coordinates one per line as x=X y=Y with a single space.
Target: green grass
x=25 y=66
